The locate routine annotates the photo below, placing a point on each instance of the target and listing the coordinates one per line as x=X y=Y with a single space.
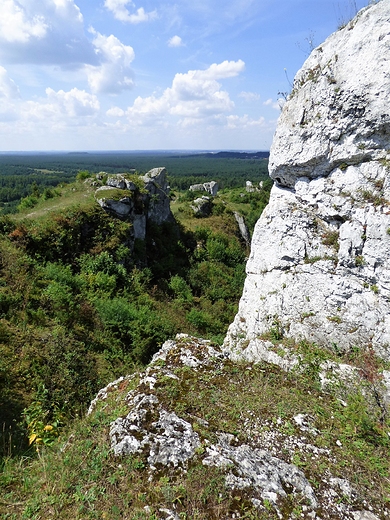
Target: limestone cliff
x=320 y=259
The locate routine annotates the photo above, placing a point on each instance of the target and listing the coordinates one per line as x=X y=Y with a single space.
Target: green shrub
x=82 y=175
x=28 y=202
x=181 y=289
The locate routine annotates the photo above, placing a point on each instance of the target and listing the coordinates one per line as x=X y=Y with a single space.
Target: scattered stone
x=364 y=515
x=254 y=468
x=263 y=466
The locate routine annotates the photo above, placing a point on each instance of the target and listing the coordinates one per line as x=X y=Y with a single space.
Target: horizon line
x=144 y=150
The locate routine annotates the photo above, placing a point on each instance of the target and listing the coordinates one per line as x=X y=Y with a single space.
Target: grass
x=80 y=478
x=77 y=194
x=331 y=238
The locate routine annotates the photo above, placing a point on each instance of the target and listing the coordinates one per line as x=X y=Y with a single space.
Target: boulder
x=116 y=181
x=202 y=206
x=209 y=187
x=249 y=187
x=156 y=184
x=320 y=257
x=196 y=187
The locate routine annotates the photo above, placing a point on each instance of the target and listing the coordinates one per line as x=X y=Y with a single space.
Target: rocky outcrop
x=172 y=433
x=244 y=231
x=202 y=206
x=137 y=198
x=284 y=431
x=320 y=256
x=209 y=187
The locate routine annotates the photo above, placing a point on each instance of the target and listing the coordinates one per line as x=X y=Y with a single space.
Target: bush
x=181 y=289
x=139 y=327
x=28 y=202
x=82 y=175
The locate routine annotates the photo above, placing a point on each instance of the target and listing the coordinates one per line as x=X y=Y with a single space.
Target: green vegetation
x=331 y=238
x=79 y=477
x=25 y=176
x=80 y=304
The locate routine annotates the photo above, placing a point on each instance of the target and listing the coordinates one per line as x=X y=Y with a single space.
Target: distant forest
x=24 y=174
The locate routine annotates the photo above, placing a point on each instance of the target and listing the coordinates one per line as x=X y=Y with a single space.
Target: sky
x=147 y=75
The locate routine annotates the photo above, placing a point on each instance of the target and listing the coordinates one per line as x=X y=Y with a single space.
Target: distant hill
x=234 y=155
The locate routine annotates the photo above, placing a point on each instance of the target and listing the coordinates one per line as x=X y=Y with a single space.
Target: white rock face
x=151 y=204
x=320 y=258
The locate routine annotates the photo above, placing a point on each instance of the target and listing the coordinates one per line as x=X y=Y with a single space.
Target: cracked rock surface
x=320 y=257
x=259 y=462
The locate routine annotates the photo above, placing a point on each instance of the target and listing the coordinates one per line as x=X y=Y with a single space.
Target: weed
x=305 y=315
x=359 y=261
x=313 y=259
x=374 y=198
x=331 y=238
x=335 y=319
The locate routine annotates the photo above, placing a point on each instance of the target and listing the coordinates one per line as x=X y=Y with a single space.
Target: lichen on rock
x=320 y=252
x=139 y=199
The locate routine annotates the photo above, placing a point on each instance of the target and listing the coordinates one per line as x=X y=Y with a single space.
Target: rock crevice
x=320 y=251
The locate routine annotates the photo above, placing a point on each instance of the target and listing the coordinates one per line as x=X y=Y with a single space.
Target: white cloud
x=113 y=75
x=194 y=95
x=120 y=11
x=234 y=122
x=8 y=88
x=249 y=96
x=175 y=41
x=17 y=25
x=115 y=112
x=61 y=107
x=43 y=31
x=9 y=98
x=58 y=109
x=226 y=69
x=277 y=105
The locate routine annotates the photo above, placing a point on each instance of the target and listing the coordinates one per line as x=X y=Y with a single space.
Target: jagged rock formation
x=320 y=258
x=257 y=460
x=138 y=199
x=209 y=187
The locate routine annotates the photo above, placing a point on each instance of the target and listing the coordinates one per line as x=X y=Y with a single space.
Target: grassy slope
x=74 y=304
x=80 y=478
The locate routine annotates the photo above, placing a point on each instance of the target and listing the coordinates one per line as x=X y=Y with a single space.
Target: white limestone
x=320 y=255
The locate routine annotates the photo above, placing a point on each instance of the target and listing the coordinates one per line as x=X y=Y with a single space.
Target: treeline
x=20 y=175
x=19 y=181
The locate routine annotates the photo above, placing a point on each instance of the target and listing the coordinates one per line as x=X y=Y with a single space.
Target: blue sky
x=147 y=75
